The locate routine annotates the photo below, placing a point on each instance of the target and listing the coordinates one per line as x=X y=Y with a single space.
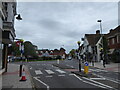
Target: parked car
x=11 y=58
x=69 y=58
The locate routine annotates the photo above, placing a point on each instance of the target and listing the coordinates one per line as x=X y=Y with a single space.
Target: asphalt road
x=47 y=76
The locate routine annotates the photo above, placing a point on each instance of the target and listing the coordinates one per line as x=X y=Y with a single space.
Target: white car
x=69 y=58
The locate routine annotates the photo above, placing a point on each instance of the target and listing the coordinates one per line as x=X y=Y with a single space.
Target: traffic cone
x=23 y=76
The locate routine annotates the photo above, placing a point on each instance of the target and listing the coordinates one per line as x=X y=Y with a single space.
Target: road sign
x=86 y=68
x=86 y=64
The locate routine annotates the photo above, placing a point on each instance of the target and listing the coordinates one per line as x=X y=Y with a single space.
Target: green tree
x=29 y=50
x=105 y=48
x=72 y=53
x=15 y=49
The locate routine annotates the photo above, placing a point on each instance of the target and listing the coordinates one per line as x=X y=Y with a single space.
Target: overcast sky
x=51 y=25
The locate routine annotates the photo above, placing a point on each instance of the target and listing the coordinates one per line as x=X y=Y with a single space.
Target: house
x=7 y=14
x=62 y=53
x=91 y=46
x=43 y=52
x=52 y=53
x=113 y=38
x=35 y=47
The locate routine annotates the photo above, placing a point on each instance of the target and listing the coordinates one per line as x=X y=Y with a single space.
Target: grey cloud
x=54 y=24
x=50 y=24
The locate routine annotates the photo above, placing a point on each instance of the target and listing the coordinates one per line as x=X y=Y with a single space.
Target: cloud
x=52 y=24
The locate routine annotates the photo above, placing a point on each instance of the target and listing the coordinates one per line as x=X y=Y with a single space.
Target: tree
x=72 y=53
x=105 y=49
x=29 y=50
x=14 y=49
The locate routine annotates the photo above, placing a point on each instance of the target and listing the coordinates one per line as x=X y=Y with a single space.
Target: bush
x=116 y=56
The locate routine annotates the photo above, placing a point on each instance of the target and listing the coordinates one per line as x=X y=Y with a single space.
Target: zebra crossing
x=41 y=72
x=38 y=72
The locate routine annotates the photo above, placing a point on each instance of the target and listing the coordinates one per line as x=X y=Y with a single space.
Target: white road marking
x=88 y=82
x=98 y=82
x=82 y=69
x=98 y=78
x=42 y=82
x=61 y=75
x=60 y=71
x=98 y=70
x=70 y=66
x=30 y=67
x=48 y=76
x=71 y=74
x=49 y=71
x=117 y=81
x=38 y=72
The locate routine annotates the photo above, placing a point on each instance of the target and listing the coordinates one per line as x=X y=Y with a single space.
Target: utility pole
x=102 y=43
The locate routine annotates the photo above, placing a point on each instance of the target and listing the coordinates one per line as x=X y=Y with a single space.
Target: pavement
x=115 y=67
x=11 y=79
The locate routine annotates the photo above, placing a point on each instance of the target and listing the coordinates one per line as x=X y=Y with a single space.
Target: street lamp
x=18 y=17
x=100 y=21
x=79 y=56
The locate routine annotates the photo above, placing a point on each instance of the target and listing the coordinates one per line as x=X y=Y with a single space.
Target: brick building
x=114 y=38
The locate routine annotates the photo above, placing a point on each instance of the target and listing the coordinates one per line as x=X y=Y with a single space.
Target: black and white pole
x=79 y=56
x=21 y=48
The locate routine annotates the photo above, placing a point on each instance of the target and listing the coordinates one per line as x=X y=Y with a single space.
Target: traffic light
x=101 y=50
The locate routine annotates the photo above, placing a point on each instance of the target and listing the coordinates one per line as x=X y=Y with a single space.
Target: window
x=108 y=42
x=118 y=39
x=113 y=41
x=0 y=55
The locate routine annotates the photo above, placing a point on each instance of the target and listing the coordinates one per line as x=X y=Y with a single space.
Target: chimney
x=98 y=32
x=111 y=30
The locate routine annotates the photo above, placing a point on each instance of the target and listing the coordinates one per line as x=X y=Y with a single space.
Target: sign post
x=86 y=68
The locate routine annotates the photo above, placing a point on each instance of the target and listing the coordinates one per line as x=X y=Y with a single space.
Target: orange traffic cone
x=23 y=76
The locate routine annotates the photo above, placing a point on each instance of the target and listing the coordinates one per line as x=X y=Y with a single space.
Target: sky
x=52 y=25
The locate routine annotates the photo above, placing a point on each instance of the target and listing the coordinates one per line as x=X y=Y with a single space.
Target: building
x=52 y=53
x=7 y=15
x=113 y=38
x=91 y=46
x=35 y=47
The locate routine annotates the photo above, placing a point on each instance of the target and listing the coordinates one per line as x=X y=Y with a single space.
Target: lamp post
x=100 y=21
x=18 y=17
x=79 y=55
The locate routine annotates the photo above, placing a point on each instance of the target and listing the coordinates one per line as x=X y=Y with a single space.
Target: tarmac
x=11 y=80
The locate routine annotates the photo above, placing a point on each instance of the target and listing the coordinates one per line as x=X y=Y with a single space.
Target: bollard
x=20 y=71
x=26 y=60
x=86 y=68
x=58 y=61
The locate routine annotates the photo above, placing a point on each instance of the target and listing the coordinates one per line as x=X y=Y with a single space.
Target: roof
x=93 y=38
x=114 y=31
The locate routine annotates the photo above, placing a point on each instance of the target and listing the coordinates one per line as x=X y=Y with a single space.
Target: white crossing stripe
x=61 y=75
x=98 y=70
x=60 y=71
x=38 y=72
x=49 y=71
x=48 y=76
x=98 y=78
